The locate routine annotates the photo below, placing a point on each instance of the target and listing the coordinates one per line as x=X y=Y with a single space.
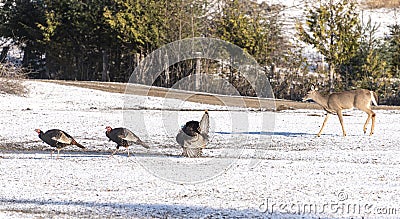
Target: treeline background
x=105 y=40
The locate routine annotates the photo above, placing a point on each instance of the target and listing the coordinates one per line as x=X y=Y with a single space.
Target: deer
x=335 y=102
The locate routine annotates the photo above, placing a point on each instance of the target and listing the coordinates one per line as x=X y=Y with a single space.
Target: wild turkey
x=58 y=139
x=123 y=137
x=193 y=136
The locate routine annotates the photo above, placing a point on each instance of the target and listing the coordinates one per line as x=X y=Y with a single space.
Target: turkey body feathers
x=58 y=138
x=193 y=136
x=191 y=128
x=123 y=137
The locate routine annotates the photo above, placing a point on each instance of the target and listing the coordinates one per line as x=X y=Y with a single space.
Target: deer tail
x=374 y=98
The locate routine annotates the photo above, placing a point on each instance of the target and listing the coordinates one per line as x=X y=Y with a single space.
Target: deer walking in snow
x=334 y=103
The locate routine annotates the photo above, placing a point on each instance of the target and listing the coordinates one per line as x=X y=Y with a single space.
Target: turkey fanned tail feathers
x=193 y=136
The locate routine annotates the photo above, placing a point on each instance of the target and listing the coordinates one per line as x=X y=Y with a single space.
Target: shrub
x=11 y=77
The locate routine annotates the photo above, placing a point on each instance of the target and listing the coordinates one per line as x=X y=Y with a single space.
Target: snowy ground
x=258 y=164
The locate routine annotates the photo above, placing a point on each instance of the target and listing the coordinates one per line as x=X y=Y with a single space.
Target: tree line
x=106 y=40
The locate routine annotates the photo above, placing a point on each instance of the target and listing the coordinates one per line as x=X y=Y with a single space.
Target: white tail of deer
x=334 y=103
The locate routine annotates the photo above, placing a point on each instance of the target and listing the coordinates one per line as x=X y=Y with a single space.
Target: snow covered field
x=258 y=164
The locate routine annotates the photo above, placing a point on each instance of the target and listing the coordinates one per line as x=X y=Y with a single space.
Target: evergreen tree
x=18 y=21
x=76 y=39
x=138 y=24
x=254 y=27
x=394 y=50
x=368 y=67
x=334 y=30
x=105 y=40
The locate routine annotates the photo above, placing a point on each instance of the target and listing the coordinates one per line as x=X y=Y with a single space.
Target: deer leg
x=373 y=123
x=323 y=124
x=366 y=123
x=371 y=115
x=340 y=115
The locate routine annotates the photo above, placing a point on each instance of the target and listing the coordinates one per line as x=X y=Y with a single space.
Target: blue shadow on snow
x=287 y=134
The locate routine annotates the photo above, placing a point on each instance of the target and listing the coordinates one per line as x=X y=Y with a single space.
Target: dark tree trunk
x=4 y=53
x=331 y=78
x=105 y=76
x=27 y=56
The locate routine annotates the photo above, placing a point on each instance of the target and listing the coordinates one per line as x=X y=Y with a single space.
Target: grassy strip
x=377 y=4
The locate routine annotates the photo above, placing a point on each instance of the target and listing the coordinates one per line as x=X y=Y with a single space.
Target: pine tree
x=394 y=50
x=77 y=39
x=334 y=30
x=18 y=21
x=253 y=27
x=368 y=66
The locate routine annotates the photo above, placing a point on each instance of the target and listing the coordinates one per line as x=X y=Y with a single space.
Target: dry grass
x=376 y=4
x=12 y=86
x=199 y=98
x=11 y=77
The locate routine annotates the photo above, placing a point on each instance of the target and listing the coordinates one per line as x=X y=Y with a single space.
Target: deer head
x=311 y=94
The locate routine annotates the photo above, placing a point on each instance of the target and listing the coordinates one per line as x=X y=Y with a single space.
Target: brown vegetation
x=264 y=104
x=376 y=4
x=11 y=79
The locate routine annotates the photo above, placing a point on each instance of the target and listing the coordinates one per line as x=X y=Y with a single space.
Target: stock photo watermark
x=342 y=206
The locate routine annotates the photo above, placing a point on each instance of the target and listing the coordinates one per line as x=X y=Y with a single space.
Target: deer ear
x=312 y=87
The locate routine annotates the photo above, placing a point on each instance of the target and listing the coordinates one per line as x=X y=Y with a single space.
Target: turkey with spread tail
x=193 y=136
x=123 y=137
x=58 y=139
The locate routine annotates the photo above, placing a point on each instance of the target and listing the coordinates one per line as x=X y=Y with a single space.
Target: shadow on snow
x=287 y=134
x=103 y=209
